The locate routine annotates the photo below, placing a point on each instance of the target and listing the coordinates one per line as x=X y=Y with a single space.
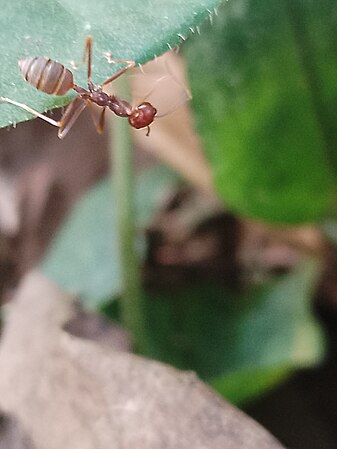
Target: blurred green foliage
x=84 y=258
x=264 y=87
x=240 y=342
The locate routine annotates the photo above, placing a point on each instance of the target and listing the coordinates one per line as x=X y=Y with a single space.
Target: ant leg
x=70 y=116
x=185 y=92
x=99 y=124
x=128 y=66
x=108 y=57
x=153 y=88
x=87 y=54
x=31 y=111
x=68 y=119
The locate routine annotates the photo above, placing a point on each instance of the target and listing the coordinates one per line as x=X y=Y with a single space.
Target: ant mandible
x=53 y=78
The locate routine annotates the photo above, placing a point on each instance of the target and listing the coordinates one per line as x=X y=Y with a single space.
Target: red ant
x=52 y=77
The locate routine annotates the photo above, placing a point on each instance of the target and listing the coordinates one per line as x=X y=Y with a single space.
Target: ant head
x=143 y=115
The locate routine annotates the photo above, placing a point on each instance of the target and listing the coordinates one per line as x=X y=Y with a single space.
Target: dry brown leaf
x=70 y=393
x=173 y=139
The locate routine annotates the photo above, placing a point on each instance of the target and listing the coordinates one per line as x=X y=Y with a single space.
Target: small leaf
x=84 y=257
x=246 y=385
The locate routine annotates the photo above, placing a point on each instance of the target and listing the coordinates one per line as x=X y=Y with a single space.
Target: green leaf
x=242 y=343
x=130 y=29
x=84 y=257
x=265 y=102
x=246 y=385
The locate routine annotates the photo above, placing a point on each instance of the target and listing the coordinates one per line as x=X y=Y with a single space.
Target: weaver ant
x=53 y=78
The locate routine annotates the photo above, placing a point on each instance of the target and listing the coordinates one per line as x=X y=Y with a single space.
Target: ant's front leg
x=129 y=65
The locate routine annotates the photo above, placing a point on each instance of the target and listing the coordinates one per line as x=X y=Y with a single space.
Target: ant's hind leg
x=99 y=124
x=30 y=110
x=70 y=116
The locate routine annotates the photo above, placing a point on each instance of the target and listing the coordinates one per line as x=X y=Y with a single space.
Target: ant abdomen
x=44 y=74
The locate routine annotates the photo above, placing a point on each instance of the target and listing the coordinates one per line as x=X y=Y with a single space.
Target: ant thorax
x=99 y=97
x=120 y=107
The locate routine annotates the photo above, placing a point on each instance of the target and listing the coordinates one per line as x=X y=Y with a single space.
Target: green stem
x=131 y=305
